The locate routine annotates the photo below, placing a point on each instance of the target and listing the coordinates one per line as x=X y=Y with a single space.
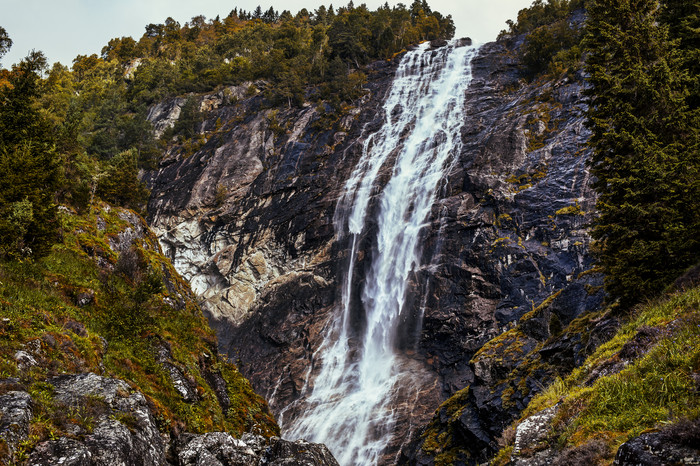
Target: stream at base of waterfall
x=350 y=401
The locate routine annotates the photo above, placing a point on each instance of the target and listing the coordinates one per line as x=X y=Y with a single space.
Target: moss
x=502 y=458
x=574 y=209
x=656 y=388
x=503 y=219
x=543 y=305
x=527 y=180
x=38 y=299
x=541 y=115
x=438 y=439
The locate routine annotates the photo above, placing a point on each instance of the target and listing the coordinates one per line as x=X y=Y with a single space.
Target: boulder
x=124 y=430
x=676 y=444
x=221 y=449
x=464 y=42
x=15 y=415
x=437 y=43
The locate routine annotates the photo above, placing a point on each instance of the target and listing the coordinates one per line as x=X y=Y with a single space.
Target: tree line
x=641 y=61
x=70 y=135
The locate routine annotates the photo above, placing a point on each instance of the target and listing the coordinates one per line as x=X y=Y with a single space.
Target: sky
x=63 y=29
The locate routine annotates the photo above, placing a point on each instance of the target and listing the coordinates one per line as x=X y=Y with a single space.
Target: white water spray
x=350 y=406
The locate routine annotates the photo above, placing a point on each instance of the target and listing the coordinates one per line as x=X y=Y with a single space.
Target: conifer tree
x=646 y=176
x=29 y=172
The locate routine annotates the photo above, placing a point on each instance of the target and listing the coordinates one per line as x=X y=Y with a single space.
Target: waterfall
x=350 y=403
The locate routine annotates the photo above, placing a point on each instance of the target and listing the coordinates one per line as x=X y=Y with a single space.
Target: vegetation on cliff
x=105 y=300
x=646 y=142
x=73 y=135
x=552 y=36
x=644 y=378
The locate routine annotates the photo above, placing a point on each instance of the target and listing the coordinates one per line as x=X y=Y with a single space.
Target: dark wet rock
x=437 y=43
x=15 y=415
x=282 y=452
x=677 y=444
x=215 y=380
x=464 y=42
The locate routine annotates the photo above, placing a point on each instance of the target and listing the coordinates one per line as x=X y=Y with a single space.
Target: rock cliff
x=105 y=359
x=248 y=219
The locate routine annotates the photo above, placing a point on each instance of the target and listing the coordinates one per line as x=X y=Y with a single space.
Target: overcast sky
x=63 y=29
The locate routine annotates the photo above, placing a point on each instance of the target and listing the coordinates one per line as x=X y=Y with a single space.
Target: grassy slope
x=133 y=303
x=642 y=379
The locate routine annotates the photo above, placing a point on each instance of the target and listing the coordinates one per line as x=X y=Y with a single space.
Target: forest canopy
x=70 y=135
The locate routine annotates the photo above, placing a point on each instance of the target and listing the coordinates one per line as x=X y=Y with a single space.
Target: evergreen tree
x=683 y=20
x=646 y=177
x=5 y=42
x=29 y=172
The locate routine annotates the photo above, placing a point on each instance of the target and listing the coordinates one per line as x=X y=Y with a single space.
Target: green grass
x=38 y=302
x=653 y=390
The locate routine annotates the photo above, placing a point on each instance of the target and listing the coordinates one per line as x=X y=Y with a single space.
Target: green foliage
x=552 y=39
x=29 y=171
x=119 y=183
x=544 y=42
x=682 y=17
x=187 y=125
x=645 y=150
x=655 y=389
x=291 y=52
x=541 y=14
x=5 y=42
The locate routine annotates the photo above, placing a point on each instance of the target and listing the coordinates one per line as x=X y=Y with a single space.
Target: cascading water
x=350 y=403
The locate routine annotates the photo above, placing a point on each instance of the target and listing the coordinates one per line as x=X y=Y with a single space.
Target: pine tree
x=29 y=172
x=644 y=172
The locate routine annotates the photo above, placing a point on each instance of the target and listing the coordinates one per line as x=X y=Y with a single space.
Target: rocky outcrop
x=248 y=219
x=220 y=449
x=109 y=423
x=675 y=444
x=15 y=414
x=121 y=430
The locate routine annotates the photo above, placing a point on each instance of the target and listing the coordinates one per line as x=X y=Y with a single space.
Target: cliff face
x=106 y=359
x=262 y=257
x=248 y=219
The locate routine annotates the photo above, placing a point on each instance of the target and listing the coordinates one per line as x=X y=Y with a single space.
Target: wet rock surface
x=508 y=231
x=676 y=444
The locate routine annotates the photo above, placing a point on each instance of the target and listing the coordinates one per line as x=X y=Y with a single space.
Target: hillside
x=634 y=400
x=105 y=356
